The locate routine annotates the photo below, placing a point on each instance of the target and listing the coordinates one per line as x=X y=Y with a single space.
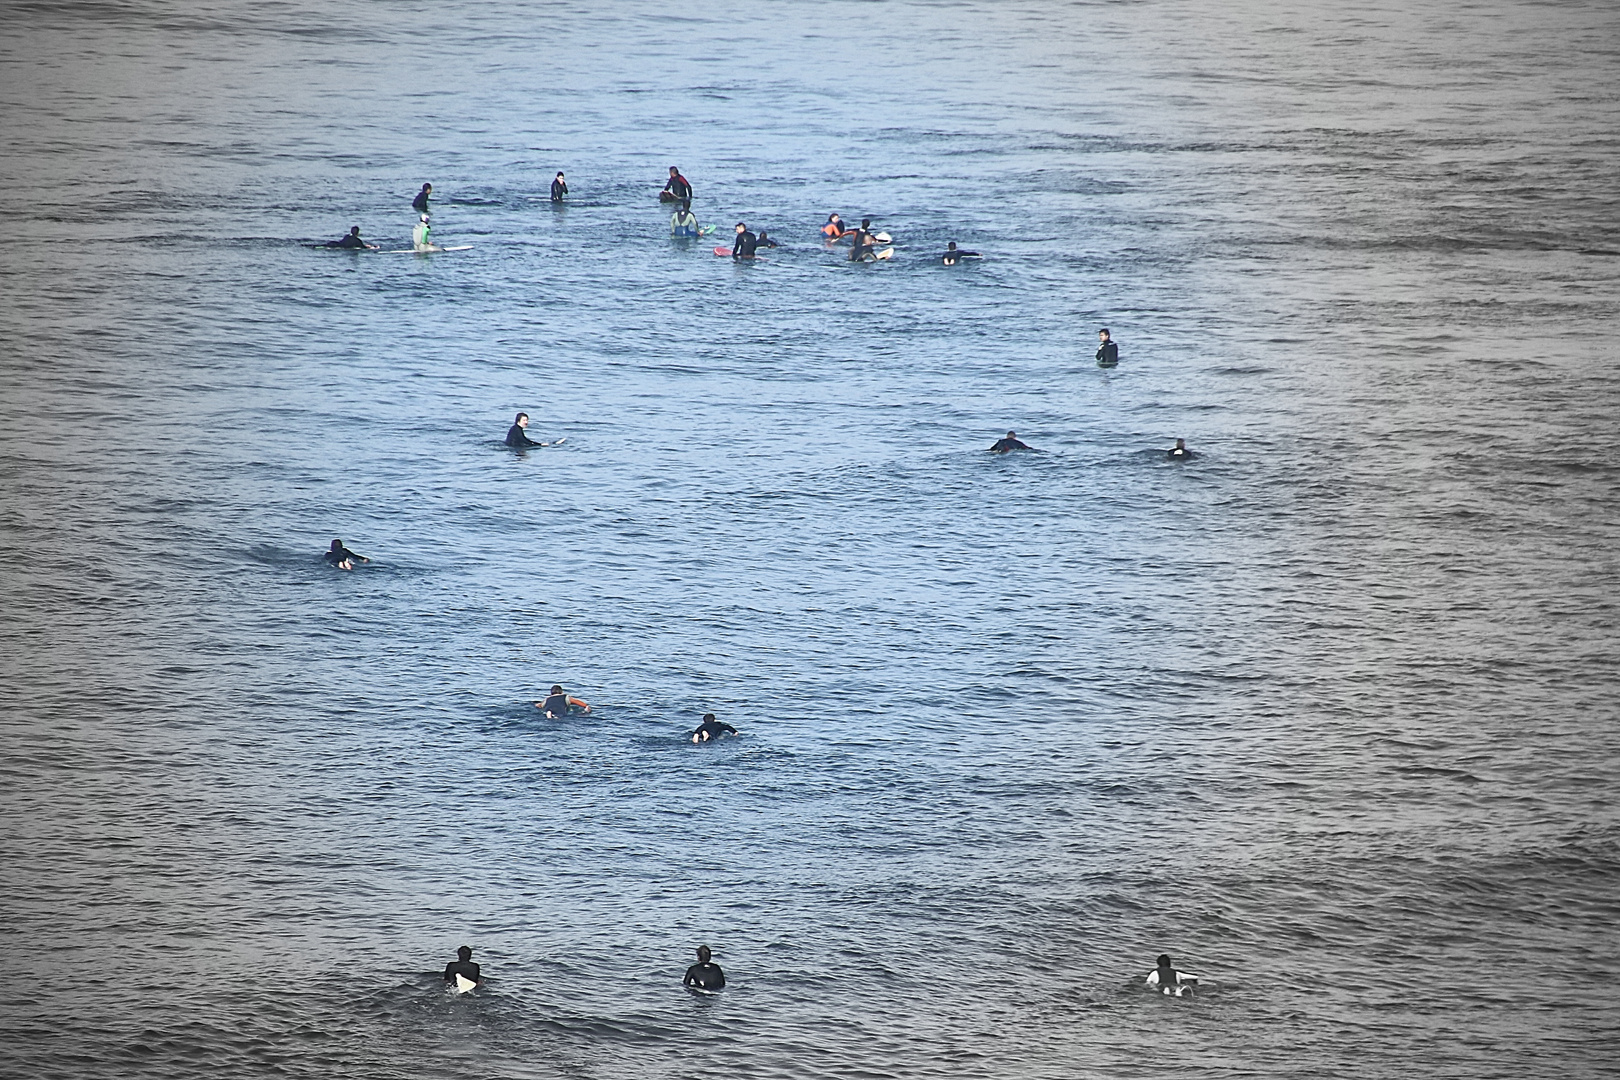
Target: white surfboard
x=1189 y=983
x=886 y=253
x=464 y=984
x=882 y=237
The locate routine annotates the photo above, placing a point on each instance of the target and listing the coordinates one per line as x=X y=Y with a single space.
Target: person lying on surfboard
x=711 y=729
x=462 y=965
x=765 y=240
x=1010 y=443
x=954 y=254
x=1179 y=452
x=560 y=704
x=341 y=557
x=351 y=240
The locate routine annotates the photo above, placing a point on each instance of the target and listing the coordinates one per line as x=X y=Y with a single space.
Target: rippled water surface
x=1328 y=713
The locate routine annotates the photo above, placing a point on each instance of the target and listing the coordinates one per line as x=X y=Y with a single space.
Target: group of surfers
x=705 y=975
x=559 y=704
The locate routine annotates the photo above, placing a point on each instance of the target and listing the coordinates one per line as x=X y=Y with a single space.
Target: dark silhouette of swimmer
x=341 y=557
x=1011 y=442
x=462 y=965
x=420 y=203
x=954 y=255
x=745 y=244
x=705 y=974
x=711 y=729
x=1169 y=980
x=1179 y=452
x=352 y=240
x=765 y=240
x=1107 y=351
x=559 y=188
x=515 y=435
x=560 y=704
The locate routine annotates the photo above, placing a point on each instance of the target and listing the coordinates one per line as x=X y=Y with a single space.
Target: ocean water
x=1327 y=713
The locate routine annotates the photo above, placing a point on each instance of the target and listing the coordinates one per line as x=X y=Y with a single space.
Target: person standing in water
x=677 y=188
x=683 y=223
x=1010 y=443
x=341 y=557
x=517 y=436
x=1107 y=351
x=421 y=236
x=559 y=188
x=705 y=974
x=711 y=729
x=462 y=965
x=560 y=704
x=954 y=255
x=351 y=240
x=420 y=203
x=745 y=244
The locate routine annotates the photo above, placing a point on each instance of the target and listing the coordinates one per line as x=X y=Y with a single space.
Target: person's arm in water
x=578 y=703
x=347 y=554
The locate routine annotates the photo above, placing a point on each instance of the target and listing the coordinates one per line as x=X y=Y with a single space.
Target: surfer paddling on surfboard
x=677 y=188
x=1167 y=980
x=954 y=254
x=560 y=704
x=351 y=240
x=711 y=729
x=341 y=557
x=461 y=973
x=1010 y=443
x=705 y=974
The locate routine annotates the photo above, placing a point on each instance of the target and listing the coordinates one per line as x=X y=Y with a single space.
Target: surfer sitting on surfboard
x=420 y=235
x=351 y=240
x=683 y=222
x=711 y=729
x=560 y=704
x=834 y=227
x=705 y=974
x=677 y=188
x=743 y=247
x=462 y=966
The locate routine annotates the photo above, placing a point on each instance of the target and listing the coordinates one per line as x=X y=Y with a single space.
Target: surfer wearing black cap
x=420 y=203
x=705 y=974
x=711 y=729
x=463 y=966
x=1011 y=442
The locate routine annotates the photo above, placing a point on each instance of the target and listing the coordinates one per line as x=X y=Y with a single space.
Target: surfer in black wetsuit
x=516 y=438
x=559 y=188
x=1107 y=351
x=351 y=240
x=462 y=965
x=1179 y=452
x=341 y=557
x=559 y=704
x=954 y=255
x=705 y=974
x=677 y=188
x=860 y=245
x=420 y=203
x=743 y=247
x=765 y=240
x=1170 y=981
x=1011 y=442
x=711 y=729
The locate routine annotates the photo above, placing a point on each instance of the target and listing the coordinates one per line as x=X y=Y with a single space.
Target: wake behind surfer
x=1009 y=444
x=462 y=965
x=420 y=203
x=705 y=974
x=1107 y=351
x=711 y=729
x=559 y=188
x=745 y=244
x=683 y=223
x=351 y=240
x=559 y=704
x=341 y=557
x=677 y=188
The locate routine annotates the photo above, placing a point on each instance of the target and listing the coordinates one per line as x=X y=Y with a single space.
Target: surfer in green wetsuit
x=351 y=240
x=420 y=236
x=683 y=223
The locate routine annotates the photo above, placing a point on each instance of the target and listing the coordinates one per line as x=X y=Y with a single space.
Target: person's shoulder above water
x=1168 y=980
x=711 y=728
x=351 y=239
x=560 y=703
x=420 y=203
x=341 y=557
x=463 y=966
x=705 y=974
x=517 y=435
x=1179 y=452
x=1107 y=350
x=954 y=254
x=1011 y=442
x=559 y=188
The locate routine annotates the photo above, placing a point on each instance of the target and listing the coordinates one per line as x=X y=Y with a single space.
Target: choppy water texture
x=1328 y=713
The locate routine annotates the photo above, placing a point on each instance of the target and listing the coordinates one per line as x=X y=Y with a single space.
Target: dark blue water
x=1328 y=712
